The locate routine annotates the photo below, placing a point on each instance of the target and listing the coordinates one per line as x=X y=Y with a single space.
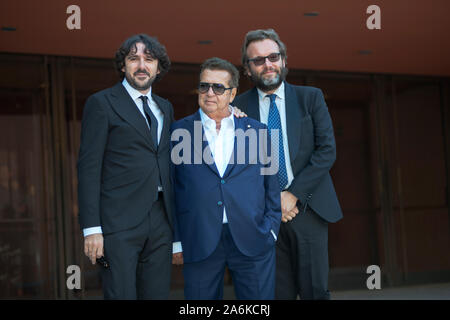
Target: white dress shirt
x=135 y=94
x=264 y=107
x=221 y=144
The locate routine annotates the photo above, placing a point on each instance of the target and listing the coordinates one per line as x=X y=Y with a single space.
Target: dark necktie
x=274 y=122
x=153 y=123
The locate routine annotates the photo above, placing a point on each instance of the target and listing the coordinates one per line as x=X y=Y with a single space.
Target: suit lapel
x=193 y=126
x=293 y=119
x=124 y=106
x=238 y=124
x=253 y=105
x=293 y=116
x=166 y=122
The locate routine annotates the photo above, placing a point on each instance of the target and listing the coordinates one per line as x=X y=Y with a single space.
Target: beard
x=140 y=86
x=271 y=83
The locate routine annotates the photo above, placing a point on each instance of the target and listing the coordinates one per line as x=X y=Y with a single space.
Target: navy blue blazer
x=312 y=148
x=252 y=200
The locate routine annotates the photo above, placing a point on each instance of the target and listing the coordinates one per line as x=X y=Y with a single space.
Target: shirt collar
x=279 y=92
x=135 y=94
x=209 y=123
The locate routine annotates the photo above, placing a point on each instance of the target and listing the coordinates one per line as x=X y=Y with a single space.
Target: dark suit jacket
x=312 y=148
x=118 y=163
x=251 y=200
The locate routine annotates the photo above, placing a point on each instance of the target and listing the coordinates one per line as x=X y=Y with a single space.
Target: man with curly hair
x=124 y=189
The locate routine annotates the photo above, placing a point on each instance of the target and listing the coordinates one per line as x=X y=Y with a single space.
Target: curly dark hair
x=152 y=47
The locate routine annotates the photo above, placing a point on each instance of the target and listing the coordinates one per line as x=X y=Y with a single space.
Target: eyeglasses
x=259 y=61
x=218 y=88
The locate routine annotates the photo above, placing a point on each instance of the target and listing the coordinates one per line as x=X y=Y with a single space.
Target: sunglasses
x=259 y=61
x=218 y=88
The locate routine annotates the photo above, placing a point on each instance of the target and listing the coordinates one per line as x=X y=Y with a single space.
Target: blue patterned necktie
x=274 y=122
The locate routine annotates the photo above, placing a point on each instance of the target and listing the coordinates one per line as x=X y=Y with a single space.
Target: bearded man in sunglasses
x=306 y=154
x=227 y=211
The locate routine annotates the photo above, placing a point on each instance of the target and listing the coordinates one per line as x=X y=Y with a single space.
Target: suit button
x=219 y=203
x=222 y=181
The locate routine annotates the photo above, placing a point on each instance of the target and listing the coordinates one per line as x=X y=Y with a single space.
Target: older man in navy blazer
x=227 y=198
x=307 y=153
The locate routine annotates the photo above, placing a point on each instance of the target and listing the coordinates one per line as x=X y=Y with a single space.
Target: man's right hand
x=93 y=246
x=288 y=216
x=288 y=206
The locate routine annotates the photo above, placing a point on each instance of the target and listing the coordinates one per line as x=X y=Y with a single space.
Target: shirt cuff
x=274 y=236
x=176 y=247
x=93 y=230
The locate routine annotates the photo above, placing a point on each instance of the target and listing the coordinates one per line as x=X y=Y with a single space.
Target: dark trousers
x=140 y=259
x=253 y=277
x=302 y=258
